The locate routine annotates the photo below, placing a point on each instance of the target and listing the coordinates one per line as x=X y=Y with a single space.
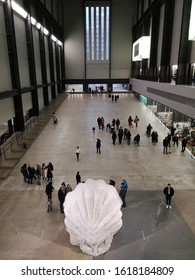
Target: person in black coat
x=117 y=123
x=49 y=168
x=31 y=174
x=165 y=145
x=184 y=144
x=148 y=130
x=128 y=137
x=78 y=178
x=168 y=192
x=24 y=171
x=120 y=135
x=48 y=190
x=98 y=146
x=61 y=198
x=114 y=137
x=137 y=139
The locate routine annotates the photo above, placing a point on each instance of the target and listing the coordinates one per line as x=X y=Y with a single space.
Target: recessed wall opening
x=120 y=87
x=97 y=88
x=74 y=88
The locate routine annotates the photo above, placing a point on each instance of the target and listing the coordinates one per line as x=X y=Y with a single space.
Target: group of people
x=100 y=121
x=113 y=97
x=33 y=174
x=62 y=192
x=131 y=121
x=123 y=134
x=153 y=135
x=175 y=139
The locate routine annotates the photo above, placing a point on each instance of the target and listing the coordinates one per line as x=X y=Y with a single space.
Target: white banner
x=94 y=269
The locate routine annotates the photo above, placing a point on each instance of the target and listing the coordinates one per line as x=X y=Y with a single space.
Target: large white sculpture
x=93 y=216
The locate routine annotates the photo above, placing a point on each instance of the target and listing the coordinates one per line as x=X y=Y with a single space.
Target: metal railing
x=9 y=144
x=13 y=140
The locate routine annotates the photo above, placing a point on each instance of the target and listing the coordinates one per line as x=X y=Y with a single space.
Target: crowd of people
x=117 y=130
x=37 y=174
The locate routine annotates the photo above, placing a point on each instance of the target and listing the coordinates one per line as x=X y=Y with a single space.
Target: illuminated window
x=97 y=32
x=191 y=34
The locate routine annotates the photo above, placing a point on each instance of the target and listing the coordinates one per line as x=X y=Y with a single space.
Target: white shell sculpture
x=93 y=216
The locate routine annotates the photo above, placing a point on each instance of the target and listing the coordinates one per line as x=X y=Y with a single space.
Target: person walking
x=114 y=137
x=99 y=122
x=184 y=144
x=117 y=124
x=175 y=139
x=155 y=138
x=61 y=198
x=136 y=120
x=120 y=135
x=24 y=171
x=123 y=191
x=49 y=169
x=165 y=146
x=48 y=190
x=128 y=137
x=30 y=174
x=98 y=146
x=130 y=121
x=78 y=150
x=55 y=120
x=78 y=178
x=38 y=173
x=168 y=192
x=148 y=130
x=43 y=171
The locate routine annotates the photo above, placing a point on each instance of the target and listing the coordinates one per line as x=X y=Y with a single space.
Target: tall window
x=97 y=30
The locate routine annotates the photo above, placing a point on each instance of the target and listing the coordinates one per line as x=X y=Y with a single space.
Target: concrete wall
x=122 y=18
x=176 y=32
x=5 y=77
x=74 y=39
x=160 y=36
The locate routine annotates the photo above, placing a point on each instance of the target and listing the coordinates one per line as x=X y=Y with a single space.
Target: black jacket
x=166 y=191
x=61 y=195
x=49 y=189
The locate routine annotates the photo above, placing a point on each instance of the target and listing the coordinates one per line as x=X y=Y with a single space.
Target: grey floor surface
x=149 y=230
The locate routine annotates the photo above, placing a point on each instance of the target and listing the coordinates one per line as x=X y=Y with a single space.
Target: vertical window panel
x=107 y=31
x=97 y=33
x=102 y=33
x=92 y=33
x=87 y=33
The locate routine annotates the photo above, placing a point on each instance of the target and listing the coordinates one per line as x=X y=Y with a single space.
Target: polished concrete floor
x=149 y=231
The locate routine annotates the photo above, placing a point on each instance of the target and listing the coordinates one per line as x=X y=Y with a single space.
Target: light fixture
x=33 y=21
x=191 y=34
x=141 y=48
x=19 y=9
x=53 y=38
x=59 y=43
x=38 y=25
x=46 y=32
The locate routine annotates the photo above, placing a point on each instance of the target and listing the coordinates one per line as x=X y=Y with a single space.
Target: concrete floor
x=149 y=230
